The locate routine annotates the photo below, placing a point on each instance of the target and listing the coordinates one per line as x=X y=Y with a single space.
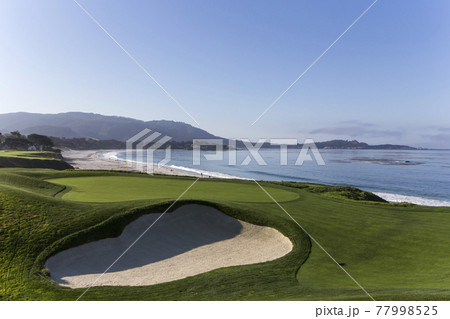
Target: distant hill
x=70 y=130
x=95 y=126
x=345 y=144
x=342 y=144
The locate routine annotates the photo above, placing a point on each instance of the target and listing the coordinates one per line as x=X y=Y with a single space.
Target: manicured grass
x=32 y=159
x=395 y=252
x=126 y=188
x=27 y=154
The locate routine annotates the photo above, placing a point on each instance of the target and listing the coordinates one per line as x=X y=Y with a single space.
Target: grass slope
x=394 y=252
x=32 y=159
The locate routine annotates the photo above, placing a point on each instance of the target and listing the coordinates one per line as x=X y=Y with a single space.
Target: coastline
x=398 y=198
x=96 y=159
x=107 y=160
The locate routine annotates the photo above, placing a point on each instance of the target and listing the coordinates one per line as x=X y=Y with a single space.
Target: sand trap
x=191 y=240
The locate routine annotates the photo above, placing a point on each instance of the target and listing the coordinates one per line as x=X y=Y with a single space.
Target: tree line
x=16 y=141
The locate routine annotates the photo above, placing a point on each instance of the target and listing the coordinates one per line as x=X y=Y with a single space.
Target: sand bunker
x=191 y=240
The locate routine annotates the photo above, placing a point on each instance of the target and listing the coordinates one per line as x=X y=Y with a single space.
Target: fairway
x=27 y=154
x=127 y=188
x=32 y=159
x=395 y=251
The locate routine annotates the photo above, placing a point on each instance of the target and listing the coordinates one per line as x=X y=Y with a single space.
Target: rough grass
x=338 y=192
x=395 y=253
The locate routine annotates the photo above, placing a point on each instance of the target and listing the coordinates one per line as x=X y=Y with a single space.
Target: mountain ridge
x=110 y=128
x=95 y=126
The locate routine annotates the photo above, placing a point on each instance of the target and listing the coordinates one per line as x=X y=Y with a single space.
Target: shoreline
x=96 y=160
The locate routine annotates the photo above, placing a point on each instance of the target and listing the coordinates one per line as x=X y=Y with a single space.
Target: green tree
x=16 y=134
x=40 y=140
x=16 y=142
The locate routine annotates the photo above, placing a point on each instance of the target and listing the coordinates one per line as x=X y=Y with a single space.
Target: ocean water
x=416 y=176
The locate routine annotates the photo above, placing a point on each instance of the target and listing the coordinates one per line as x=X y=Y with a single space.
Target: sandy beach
x=95 y=159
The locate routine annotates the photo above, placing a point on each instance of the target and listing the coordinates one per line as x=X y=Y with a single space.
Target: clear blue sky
x=386 y=81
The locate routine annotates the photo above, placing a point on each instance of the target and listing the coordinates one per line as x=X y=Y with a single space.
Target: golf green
x=394 y=251
x=128 y=188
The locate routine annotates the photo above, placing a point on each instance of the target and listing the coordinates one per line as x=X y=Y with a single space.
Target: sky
x=386 y=80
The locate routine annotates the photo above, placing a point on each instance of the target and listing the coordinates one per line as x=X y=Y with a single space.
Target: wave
x=397 y=198
x=204 y=173
x=110 y=156
x=121 y=157
x=281 y=176
x=390 y=197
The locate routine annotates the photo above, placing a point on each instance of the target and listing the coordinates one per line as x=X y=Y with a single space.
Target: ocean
x=416 y=176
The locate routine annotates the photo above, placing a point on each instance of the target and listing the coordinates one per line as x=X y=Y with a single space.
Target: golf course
x=394 y=251
x=30 y=159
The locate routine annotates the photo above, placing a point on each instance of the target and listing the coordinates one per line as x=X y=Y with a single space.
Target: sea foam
x=199 y=172
x=397 y=198
x=110 y=156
